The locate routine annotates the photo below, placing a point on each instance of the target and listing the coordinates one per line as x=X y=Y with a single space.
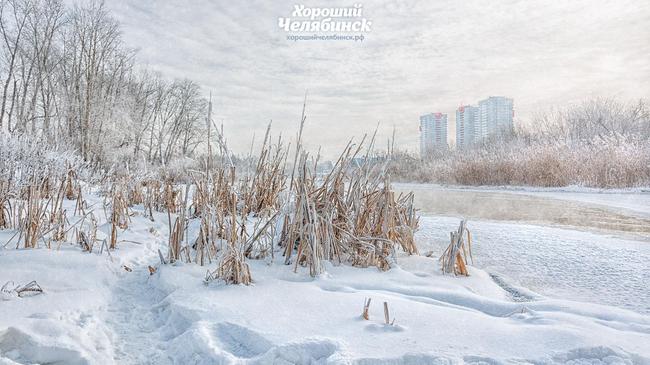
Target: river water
x=556 y=247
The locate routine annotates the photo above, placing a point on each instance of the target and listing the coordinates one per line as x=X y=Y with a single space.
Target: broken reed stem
x=177 y=233
x=366 y=308
x=31 y=288
x=386 y=314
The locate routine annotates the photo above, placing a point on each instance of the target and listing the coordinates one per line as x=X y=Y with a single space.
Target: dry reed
x=454 y=259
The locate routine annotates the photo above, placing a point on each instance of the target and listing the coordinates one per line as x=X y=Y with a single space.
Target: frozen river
x=562 y=248
x=625 y=214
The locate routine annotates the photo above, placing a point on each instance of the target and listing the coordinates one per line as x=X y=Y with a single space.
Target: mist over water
x=570 y=250
x=503 y=206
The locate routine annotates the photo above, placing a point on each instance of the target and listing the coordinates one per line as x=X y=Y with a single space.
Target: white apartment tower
x=433 y=133
x=467 y=119
x=495 y=116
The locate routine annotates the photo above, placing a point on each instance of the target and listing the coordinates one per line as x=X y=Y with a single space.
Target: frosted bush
x=23 y=158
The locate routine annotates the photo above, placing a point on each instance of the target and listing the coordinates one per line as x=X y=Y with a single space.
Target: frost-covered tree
x=68 y=78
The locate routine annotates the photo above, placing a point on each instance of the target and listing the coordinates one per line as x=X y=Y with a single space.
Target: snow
x=94 y=311
x=60 y=325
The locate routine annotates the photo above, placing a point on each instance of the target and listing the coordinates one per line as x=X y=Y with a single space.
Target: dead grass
x=348 y=216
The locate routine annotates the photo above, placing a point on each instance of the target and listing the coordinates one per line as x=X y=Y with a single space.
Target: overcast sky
x=418 y=57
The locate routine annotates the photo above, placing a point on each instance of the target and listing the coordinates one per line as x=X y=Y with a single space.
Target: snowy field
x=536 y=294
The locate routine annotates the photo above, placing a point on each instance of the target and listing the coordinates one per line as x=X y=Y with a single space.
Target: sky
x=418 y=57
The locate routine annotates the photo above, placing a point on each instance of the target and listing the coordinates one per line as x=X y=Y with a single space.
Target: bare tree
x=67 y=76
x=13 y=18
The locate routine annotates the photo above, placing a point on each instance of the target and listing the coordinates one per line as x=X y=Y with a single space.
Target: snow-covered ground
x=94 y=311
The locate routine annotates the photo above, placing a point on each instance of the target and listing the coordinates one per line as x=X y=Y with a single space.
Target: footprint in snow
x=241 y=341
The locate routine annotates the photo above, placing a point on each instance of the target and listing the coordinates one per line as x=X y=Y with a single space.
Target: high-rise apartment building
x=433 y=132
x=495 y=116
x=467 y=118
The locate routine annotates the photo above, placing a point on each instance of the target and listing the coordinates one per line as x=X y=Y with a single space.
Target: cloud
x=420 y=56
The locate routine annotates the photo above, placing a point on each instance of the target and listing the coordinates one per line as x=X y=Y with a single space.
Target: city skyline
x=472 y=124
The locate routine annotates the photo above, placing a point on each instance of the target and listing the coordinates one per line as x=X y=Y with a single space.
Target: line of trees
x=598 y=143
x=67 y=77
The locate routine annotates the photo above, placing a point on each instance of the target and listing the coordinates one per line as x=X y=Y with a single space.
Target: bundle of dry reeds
x=71 y=184
x=454 y=259
x=57 y=214
x=262 y=190
x=32 y=217
x=120 y=215
x=214 y=198
x=177 y=231
x=136 y=192
x=233 y=268
x=350 y=215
